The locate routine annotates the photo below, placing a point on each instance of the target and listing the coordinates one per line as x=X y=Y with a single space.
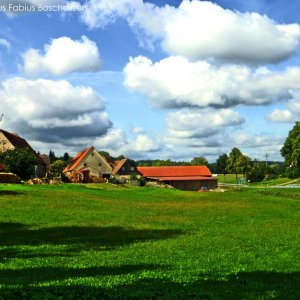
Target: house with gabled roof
x=89 y=159
x=191 y=178
x=11 y=141
x=125 y=167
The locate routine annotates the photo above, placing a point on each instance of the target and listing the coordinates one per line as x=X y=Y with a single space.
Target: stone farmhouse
x=11 y=141
x=90 y=160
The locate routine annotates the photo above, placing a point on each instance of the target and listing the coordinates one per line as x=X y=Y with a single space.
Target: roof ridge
x=77 y=159
x=119 y=165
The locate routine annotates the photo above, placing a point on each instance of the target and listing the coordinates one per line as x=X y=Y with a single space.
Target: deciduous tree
x=199 y=161
x=19 y=161
x=221 y=164
x=291 y=151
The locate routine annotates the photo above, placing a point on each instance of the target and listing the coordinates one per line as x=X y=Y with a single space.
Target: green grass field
x=229 y=178
x=103 y=241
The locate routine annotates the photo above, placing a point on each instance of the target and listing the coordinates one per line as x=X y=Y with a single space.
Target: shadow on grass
x=253 y=285
x=75 y=238
x=10 y=193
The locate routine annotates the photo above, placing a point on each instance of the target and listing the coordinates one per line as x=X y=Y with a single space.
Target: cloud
x=290 y=114
x=281 y=116
x=53 y=111
x=200 y=123
x=200 y=30
x=116 y=142
x=5 y=44
x=63 y=55
x=257 y=146
x=175 y=82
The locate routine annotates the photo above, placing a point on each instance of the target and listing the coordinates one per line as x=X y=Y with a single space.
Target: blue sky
x=156 y=79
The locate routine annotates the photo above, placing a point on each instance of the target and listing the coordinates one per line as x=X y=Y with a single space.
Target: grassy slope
x=102 y=240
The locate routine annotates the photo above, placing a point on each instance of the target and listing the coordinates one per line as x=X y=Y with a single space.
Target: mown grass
x=103 y=241
x=229 y=178
x=272 y=182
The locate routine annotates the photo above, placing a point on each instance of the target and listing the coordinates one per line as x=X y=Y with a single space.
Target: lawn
x=103 y=241
x=229 y=178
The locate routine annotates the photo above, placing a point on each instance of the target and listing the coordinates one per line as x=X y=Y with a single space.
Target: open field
x=231 y=179
x=80 y=242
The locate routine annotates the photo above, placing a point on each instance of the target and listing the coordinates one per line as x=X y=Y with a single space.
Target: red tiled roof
x=185 y=178
x=77 y=159
x=175 y=171
x=119 y=166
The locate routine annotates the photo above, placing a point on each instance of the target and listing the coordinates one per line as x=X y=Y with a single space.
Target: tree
x=221 y=164
x=291 y=152
x=66 y=157
x=243 y=164
x=160 y=163
x=19 y=161
x=104 y=153
x=58 y=167
x=52 y=156
x=199 y=161
x=237 y=162
x=257 y=172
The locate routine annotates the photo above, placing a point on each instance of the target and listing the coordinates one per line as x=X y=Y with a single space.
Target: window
x=132 y=168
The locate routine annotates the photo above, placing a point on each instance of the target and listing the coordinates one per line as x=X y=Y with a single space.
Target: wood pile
x=96 y=179
x=83 y=177
x=159 y=185
x=43 y=181
x=75 y=177
x=36 y=181
x=9 y=178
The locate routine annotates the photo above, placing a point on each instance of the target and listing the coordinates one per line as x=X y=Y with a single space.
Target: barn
x=89 y=159
x=190 y=178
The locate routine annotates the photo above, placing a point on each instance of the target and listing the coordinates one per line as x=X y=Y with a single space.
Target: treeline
x=196 y=161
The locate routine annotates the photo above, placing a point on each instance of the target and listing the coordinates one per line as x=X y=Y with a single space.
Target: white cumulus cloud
x=176 y=82
x=281 y=116
x=52 y=111
x=63 y=55
x=200 y=30
x=116 y=142
x=201 y=123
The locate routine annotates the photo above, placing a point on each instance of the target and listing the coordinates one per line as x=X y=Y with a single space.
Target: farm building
x=125 y=167
x=11 y=141
x=190 y=178
x=89 y=159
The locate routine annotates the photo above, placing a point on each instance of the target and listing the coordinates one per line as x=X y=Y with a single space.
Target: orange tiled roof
x=77 y=159
x=175 y=171
x=185 y=178
x=119 y=166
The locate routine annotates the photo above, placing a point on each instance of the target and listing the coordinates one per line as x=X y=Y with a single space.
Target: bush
x=142 y=182
x=256 y=173
x=19 y=161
